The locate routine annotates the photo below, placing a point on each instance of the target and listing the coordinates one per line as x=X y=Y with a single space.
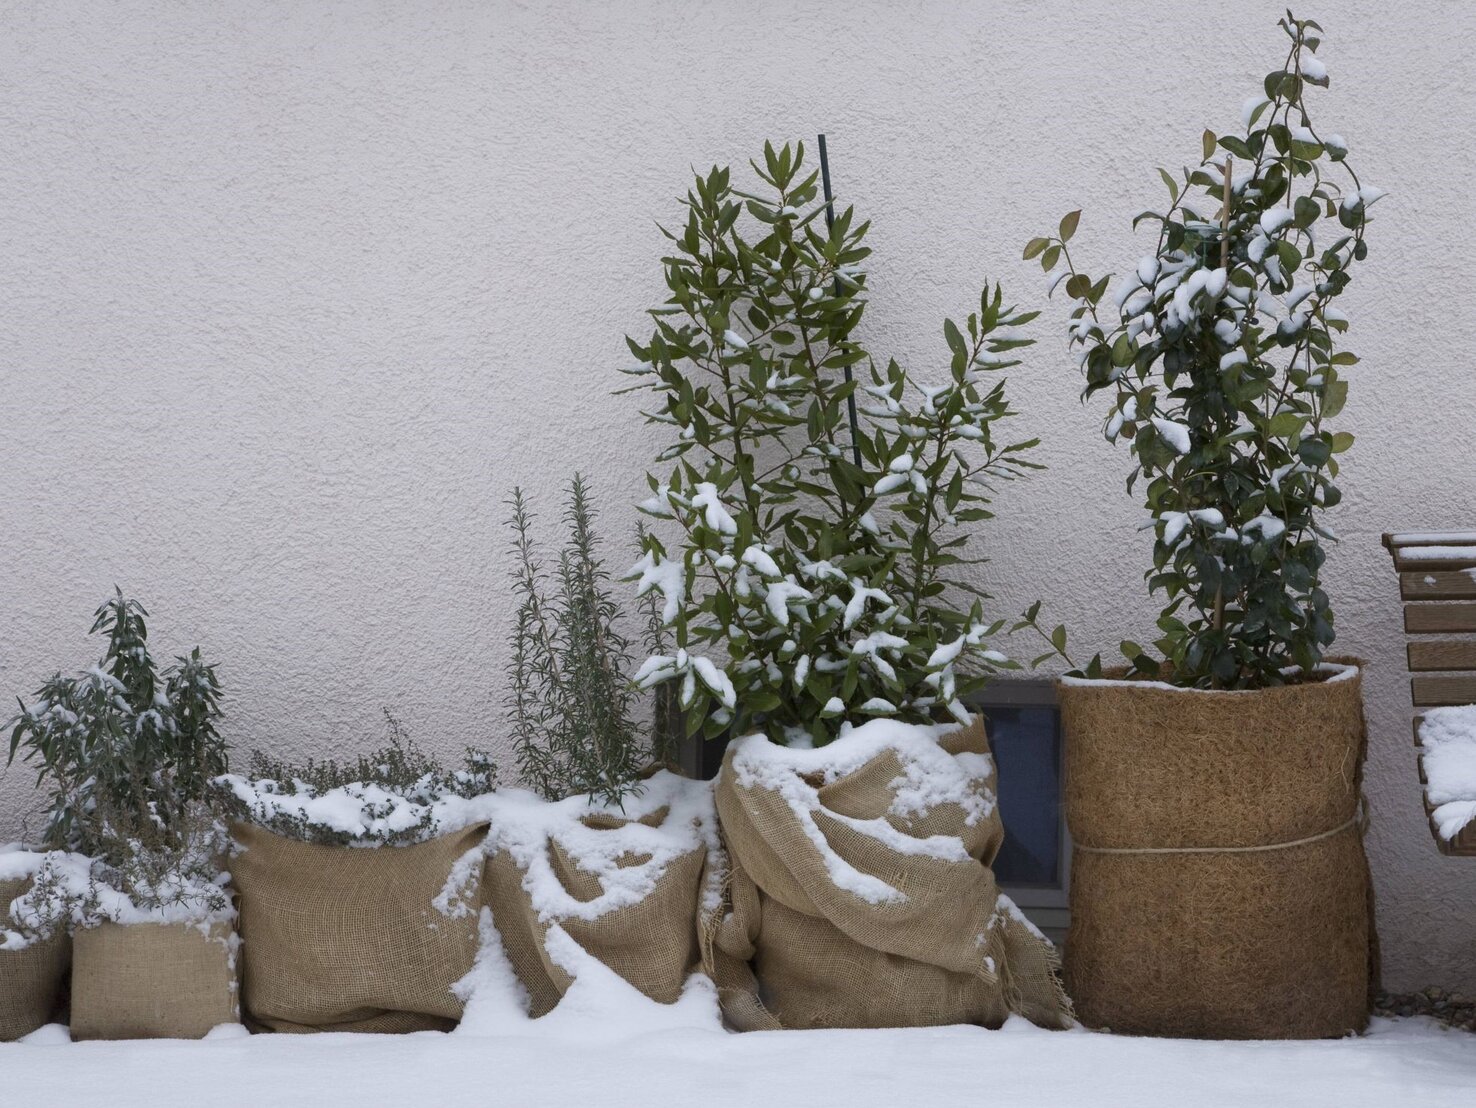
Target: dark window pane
x=1026 y=741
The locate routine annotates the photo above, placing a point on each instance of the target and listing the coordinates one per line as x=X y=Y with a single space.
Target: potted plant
x=813 y=575
x=135 y=866
x=1219 y=886
x=360 y=886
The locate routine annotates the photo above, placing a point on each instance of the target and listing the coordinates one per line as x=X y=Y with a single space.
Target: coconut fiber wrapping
x=651 y=941
x=31 y=978
x=794 y=949
x=153 y=980
x=356 y=939
x=1260 y=943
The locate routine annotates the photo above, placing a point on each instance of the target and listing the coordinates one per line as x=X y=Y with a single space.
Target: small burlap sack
x=861 y=894
x=32 y=977
x=1219 y=887
x=627 y=888
x=153 y=980
x=356 y=939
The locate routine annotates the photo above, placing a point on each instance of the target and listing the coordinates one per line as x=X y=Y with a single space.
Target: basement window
x=1024 y=725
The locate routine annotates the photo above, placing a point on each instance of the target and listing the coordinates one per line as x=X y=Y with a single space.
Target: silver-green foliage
x=127 y=753
x=1220 y=351
x=121 y=738
x=811 y=578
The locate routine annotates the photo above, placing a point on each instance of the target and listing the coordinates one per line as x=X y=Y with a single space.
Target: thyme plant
x=1220 y=352
x=385 y=782
x=810 y=577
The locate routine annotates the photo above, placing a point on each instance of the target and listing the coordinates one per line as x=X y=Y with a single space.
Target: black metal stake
x=830 y=226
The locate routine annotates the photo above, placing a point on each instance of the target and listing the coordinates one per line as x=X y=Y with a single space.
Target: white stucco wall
x=291 y=295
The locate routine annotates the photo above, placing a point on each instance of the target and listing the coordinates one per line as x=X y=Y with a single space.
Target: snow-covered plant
x=390 y=796
x=1220 y=352
x=573 y=707
x=122 y=741
x=140 y=869
x=812 y=578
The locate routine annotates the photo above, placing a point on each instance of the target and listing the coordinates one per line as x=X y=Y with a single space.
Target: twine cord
x=1359 y=819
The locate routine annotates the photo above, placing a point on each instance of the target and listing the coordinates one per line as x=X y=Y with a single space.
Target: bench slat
x=1451 y=615
x=1437 y=585
x=1429 y=538
x=1444 y=690
x=1460 y=557
x=1426 y=656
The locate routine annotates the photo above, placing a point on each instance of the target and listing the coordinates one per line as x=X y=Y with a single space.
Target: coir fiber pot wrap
x=1219 y=887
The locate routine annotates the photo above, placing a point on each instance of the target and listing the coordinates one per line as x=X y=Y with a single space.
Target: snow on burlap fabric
x=32 y=972
x=626 y=885
x=356 y=938
x=860 y=893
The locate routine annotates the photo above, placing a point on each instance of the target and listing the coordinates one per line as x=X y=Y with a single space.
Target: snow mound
x=930 y=777
x=627 y=849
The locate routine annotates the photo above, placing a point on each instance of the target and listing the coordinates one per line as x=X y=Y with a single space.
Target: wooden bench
x=1437 y=582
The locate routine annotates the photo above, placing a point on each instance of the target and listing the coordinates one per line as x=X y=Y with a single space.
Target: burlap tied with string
x=1219 y=887
x=626 y=886
x=356 y=939
x=861 y=894
x=32 y=976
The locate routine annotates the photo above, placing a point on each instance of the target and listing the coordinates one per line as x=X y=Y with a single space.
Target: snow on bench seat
x=1448 y=758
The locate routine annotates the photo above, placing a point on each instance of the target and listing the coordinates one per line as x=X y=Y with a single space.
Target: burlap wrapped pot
x=861 y=893
x=1219 y=887
x=32 y=976
x=626 y=887
x=153 y=980
x=356 y=939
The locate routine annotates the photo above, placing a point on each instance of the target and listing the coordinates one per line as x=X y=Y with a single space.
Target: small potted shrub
x=135 y=869
x=1219 y=885
x=360 y=886
x=815 y=584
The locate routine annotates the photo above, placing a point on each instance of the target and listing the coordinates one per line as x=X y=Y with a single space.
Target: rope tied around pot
x=1359 y=819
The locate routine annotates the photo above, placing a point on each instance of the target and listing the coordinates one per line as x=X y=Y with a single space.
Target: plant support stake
x=829 y=226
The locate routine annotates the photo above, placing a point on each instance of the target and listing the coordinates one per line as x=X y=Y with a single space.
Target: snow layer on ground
x=1413 y=1062
x=1448 y=747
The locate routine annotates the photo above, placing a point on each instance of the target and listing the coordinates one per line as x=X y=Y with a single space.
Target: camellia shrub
x=1220 y=352
x=811 y=577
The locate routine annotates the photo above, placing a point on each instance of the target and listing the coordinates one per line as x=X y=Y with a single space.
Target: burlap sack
x=356 y=939
x=896 y=921
x=153 y=980
x=626 y=889
x=33 y=977
x=1219 y=887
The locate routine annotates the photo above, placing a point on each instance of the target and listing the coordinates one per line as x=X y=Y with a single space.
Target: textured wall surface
x=292 y=294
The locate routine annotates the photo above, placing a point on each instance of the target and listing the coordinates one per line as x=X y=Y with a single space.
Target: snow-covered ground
x=1412 y=1062
x=606 y=1045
